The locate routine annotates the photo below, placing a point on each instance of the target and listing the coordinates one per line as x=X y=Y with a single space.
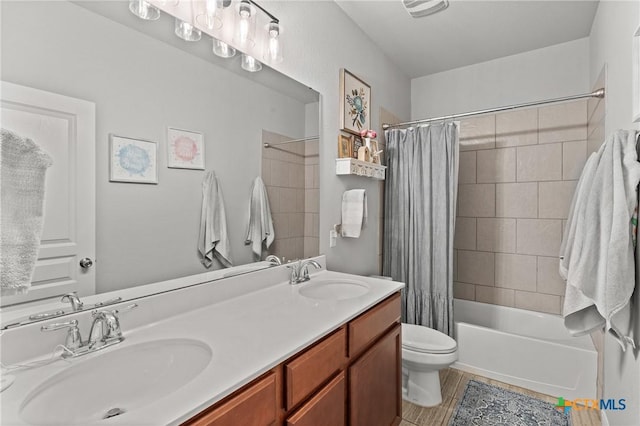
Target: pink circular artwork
x=185 y=148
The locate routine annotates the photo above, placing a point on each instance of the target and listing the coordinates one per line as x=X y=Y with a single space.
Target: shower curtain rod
x=309 y=138
x=599 y=93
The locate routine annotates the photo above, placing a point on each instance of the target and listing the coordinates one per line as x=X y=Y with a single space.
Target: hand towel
x=23 y=168
x=597 y=256
x=260 y=229
x=213 y=239
x=354 y=212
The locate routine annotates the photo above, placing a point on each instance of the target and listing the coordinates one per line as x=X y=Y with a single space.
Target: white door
x=64 y=127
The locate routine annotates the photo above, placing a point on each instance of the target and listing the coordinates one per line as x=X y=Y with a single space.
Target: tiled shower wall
x=518 y=171
x=288 y=174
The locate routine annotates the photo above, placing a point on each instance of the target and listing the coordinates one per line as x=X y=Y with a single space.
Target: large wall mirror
x=143 y=80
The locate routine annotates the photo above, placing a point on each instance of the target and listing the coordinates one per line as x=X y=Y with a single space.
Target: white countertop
x=249 y=334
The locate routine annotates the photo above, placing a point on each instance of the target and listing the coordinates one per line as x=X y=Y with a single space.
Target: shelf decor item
x=355 y=103
x=345 y=146
x=132 y=160
x=185 y=149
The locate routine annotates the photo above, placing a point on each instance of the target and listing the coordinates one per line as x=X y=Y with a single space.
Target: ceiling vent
x=421 y=8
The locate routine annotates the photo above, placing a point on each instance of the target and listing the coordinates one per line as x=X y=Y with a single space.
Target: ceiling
x=468 y=32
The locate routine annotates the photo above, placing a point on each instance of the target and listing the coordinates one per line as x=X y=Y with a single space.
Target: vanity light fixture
x=186 y=31
x=210 y=16
x=249 y=63
x=144 y=10
x=246 y=20
x=273 y=47
x=222 y=49
x=422 y=8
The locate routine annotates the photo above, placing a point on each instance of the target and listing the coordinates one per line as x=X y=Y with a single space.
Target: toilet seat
x=423 y=339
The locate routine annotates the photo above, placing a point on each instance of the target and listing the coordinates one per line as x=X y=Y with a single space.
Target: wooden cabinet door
x=253 y=406
x=374 y=384
x=326 y=408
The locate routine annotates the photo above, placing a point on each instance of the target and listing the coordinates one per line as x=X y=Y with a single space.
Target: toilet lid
x=424 y=339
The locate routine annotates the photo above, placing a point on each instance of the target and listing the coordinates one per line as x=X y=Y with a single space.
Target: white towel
x=213 y=239
x=260 y=229
x=23 y=167
x=597 y=255
x=354 y=212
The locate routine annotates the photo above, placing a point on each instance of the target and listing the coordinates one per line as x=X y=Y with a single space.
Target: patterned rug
x=488 y=405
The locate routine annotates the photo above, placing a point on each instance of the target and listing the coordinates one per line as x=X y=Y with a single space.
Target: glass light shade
x=245 y=25
x=209 y=14
x=186 y=31
x=144 y=10
x=222 y=49
x=273 y=44
x=249 y=63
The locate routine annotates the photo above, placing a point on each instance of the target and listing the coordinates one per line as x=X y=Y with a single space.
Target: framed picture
x=132 y=160
x=185 y=149
x=345 y=146
x=356 y=142
x=355 y=103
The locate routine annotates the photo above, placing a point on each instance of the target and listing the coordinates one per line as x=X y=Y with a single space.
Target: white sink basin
x=119 y=380
x=338 y=289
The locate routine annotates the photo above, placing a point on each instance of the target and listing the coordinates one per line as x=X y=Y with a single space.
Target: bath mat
x=486 y=405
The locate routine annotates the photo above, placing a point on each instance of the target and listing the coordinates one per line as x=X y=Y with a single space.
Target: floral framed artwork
x=185 y=149
x=132 y=160
x=345 y=146
x=355 y=103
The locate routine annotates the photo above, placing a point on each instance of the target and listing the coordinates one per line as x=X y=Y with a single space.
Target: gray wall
x=140 y=85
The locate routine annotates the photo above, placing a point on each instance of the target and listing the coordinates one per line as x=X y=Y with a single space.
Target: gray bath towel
x=213 y=240
x=24 y=165
x=597 y=256
x=260 y=230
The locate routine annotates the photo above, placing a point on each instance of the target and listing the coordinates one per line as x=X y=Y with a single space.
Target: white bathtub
x=524 y=348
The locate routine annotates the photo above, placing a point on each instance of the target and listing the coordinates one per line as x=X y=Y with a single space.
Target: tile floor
x=453 y=383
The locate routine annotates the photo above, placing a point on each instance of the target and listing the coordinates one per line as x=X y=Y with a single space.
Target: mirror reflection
x=133 y=79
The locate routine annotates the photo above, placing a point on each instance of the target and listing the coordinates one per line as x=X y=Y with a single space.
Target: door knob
x=86 y=263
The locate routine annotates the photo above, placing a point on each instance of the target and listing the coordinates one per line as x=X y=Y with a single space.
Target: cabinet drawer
x=373 y=323
x=326 y=408
x=315 y=366
x=253 y=406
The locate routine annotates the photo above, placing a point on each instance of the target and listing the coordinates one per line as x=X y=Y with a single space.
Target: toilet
x=425 y=352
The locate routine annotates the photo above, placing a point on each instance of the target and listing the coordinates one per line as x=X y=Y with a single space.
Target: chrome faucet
x=76 y=304
x=274 y=260
x=300 y=270
x=105 y=332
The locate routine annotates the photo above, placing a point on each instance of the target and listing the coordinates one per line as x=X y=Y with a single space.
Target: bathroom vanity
x=249 y=349
x=350 y=377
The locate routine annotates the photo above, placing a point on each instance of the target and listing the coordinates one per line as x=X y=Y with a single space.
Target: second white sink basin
x=335 y=289
x=115 y=382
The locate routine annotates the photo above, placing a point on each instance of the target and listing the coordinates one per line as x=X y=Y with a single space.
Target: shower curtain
x=420 y=210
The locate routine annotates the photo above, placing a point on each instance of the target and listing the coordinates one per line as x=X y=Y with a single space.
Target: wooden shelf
x=351 y=166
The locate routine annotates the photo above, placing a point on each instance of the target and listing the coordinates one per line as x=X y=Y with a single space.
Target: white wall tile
x=478 y=133
x=477 y=200
x=495 y=295
x=279 y=173
x=563 y=122
x=496 y=235
x=464 y=291
x=516 y=128
x=266 y=171
x=465 y=235
x=538 y=236
x=516 y=271
x=549 y=279
x=555 y=198
x=539 y=163
x=273 y=192
x=288 y=200
x=497 y=165
x=538 y=302
x=467 y=168
x=281 y=225
x=475 y=267
x=517 y=200
x=311 y=200
x=574 y=155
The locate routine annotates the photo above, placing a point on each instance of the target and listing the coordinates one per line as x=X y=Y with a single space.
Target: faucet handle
x=125 y=309
x=73 y=340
